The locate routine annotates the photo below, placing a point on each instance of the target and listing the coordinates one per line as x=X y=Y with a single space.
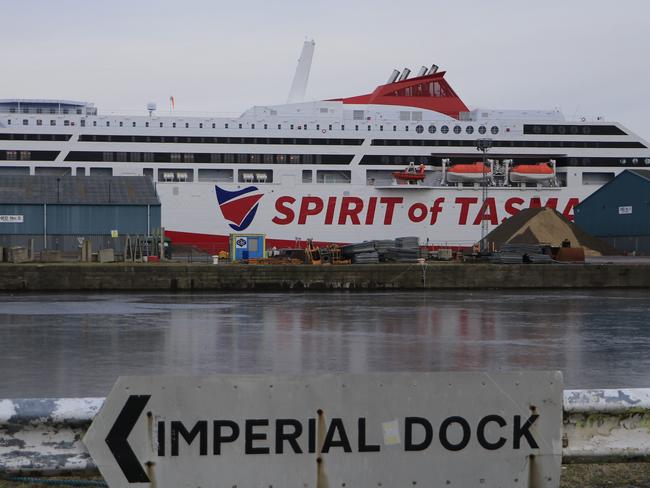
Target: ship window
x=317 y=126
x=161 y=124
x=252 y=126
x=330 y=126
x=444 y=129
x=586 y=130
x=469 y=129
x=432 y=129
x=79 y=111
x=94 y=123
x=173 y=125
x=135 y=157
x=573 y=129
x=12 y=155
x=25 y=155
x=200 y=125
x=148 y=157
x=82 y=122
x=40 y=122
x=381 y=128
x=226 y=126
x=342 y=127
x=52 y=122
x=406 y=128
x=240 y=126
x=266 y=126
x=356 y=127
x=394 y=128
x=52 y=111
x=494 y=129
x=537 y=129
x=482 y=129
x=65 y=110
x=187 y=126
x=25 y=121
x=108 y=124
x=12 y=110
x=188 y=158
x=8 y=121
x=549 y=129
x=146 y=124
x=291 y=127
x=331 y=176
x=457 y=129
x=39 y=110
x=561 y=129
x=107 y=156
x=175 y=157
x=306 y=176
x=419 y=129
x=132 y=124
x=121 y=124
x=358 y=115
x=66 y=123
x=369 y=128
x=304 y=127
x=214 y=126
x=121 y=157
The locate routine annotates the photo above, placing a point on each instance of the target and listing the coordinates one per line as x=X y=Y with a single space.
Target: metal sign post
x=379 y=430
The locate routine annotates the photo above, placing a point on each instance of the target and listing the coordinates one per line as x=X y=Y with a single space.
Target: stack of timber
x=523 y=253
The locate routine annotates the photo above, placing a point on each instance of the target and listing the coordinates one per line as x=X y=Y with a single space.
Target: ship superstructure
x=329 y=170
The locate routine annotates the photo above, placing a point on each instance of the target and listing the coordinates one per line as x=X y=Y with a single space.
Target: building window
x=40 y=122
x=25 y=121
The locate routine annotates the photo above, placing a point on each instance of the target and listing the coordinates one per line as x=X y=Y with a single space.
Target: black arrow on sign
x=117 y=443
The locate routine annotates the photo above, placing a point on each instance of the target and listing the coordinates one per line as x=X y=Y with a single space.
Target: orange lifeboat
x=472 y=172
x=523 y=173
x=410 y=174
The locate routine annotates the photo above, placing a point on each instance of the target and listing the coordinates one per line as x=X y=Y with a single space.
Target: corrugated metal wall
x=602 y=214
x=67 y=223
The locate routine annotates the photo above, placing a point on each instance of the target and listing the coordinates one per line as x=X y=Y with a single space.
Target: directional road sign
x=377 y=430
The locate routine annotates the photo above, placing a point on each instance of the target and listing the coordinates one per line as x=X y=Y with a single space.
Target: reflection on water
x=77 y=345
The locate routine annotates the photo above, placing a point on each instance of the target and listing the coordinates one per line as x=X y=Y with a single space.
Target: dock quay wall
x=238 y=277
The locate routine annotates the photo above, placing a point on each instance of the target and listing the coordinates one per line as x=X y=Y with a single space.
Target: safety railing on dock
x=44 y=435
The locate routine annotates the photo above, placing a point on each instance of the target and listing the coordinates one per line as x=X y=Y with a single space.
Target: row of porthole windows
x=458 y=129
x=419 y=129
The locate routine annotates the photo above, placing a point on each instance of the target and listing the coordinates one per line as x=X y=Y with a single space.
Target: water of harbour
x=54 y=345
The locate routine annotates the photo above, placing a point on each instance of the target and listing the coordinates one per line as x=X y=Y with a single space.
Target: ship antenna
x=299 y=84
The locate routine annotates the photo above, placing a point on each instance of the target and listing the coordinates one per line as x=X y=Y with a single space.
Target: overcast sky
x=587 y=57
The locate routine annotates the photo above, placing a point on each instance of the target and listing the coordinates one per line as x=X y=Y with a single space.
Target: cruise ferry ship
x=401 y=160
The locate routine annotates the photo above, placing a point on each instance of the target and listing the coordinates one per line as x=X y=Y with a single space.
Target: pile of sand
x=546 y=226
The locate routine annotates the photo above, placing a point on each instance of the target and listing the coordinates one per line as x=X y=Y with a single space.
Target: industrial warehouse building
x=58 y=213
x=619 y=212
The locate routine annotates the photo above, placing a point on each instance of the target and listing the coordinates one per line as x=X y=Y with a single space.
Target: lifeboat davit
x=523 y=173
x=474 y=172
x=410 y=174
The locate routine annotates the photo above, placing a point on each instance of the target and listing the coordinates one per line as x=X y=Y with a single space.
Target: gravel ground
x=635 y=475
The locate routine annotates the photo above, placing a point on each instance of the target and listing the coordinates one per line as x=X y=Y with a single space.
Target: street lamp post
x=484 y=146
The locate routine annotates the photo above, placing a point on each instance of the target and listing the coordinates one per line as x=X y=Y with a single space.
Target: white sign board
x=241 y=242
x=624 y=210
x=12 y=219
x=379 y=430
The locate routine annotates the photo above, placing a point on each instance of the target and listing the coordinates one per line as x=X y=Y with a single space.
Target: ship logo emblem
x=239 y=207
